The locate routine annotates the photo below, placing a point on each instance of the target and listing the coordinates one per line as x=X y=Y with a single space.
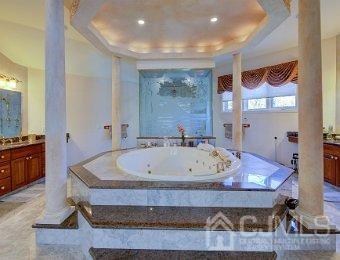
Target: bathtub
x=175 y=164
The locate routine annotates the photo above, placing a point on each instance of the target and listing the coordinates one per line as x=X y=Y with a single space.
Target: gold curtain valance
x=276 y=76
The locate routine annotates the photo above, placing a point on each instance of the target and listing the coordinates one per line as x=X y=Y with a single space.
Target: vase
x=183 y=139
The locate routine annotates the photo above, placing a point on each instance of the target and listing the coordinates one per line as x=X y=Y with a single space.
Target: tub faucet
x=220 y=167
x=166 y=142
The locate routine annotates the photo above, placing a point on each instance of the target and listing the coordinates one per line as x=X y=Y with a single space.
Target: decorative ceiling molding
x=84 y=11
x=74 y=7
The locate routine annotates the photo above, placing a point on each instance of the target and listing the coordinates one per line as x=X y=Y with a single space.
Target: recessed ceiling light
x=213 y=19
x=141 y=22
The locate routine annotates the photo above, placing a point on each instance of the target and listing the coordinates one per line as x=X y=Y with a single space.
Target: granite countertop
x=20 y=144
x=176 y=137
x=332 y=142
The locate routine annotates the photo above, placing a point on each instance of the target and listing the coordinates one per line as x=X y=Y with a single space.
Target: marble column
x=116 y=121
x=310 y=209
x=237 y=104
x=337 y=100
x=56 y=208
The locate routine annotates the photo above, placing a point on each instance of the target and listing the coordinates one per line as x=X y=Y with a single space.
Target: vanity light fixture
x=3 y=81
x=141 y=22
x=214 y=19
x=8 y=82
x=12 y=83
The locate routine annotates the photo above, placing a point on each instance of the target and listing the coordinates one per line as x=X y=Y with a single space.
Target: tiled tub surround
x=99 y=182
x=119 y=211
x=124 y=231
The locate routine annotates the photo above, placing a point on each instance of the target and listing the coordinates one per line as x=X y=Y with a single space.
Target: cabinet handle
x=27 y=158
x=336 y=158
x=2 y=157
x=2 y=187
x=2 y=171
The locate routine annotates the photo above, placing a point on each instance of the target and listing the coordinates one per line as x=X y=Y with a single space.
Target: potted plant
x=181 y=131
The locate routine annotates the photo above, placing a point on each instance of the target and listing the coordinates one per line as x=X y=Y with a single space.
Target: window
x=282 y=102
x=227 y=105
x=258 y=103
x=264 y=98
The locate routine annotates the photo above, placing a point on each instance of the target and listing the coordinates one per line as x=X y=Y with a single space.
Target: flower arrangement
x=181 y=130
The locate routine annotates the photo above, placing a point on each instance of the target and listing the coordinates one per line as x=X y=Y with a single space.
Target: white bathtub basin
x=174 y=164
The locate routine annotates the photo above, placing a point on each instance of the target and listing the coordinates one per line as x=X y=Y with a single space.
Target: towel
x=223 y=153
x=205 y=147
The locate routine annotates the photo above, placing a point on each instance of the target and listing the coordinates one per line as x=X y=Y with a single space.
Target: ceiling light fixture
x=141 y=22
x=213 y=19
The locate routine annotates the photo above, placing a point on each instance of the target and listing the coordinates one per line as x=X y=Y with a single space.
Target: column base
x=311 y=222
x=55 y=219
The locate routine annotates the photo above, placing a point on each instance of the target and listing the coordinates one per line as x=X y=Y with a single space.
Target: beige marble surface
x=310 y=113
x=17 y=236
x=237 y=103
x=56 y=209
x=15 y=229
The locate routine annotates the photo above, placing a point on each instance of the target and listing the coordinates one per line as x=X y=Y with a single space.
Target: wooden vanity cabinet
x=5 y=172
x=332 y=164
x=19 y=178
x=21 y=166
x=34 y=168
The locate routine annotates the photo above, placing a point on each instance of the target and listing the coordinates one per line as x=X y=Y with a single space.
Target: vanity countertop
x=332 y=142
x=176 y=137
x=20 y=144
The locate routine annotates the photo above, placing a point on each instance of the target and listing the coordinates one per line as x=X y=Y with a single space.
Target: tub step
x=193 y=218
x=111 y=254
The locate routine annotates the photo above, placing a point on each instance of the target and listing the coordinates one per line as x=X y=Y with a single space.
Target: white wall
x=129 y=101
x=88 y=109
x=264 y=126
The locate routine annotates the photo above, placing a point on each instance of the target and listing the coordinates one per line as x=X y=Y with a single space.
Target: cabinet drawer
x=5 y=186
x=5 y=171
x=5 y=156
x=25 y=151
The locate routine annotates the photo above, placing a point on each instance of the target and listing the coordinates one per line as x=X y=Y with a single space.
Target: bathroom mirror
x=10 y=113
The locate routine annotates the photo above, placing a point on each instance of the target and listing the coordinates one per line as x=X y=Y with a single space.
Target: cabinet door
x=43 y=164
x=33 y=168
x=19 y=178
x=329 y=168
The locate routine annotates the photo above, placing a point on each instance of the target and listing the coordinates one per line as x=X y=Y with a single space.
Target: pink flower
x=180 y=128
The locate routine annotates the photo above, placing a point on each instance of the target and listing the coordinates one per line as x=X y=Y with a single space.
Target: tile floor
x=19 y=211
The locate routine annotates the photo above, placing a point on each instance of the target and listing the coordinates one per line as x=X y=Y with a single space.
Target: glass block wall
x=10 y=113
x=171 y=97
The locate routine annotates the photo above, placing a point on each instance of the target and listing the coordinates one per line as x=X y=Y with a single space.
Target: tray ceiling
x=176 y=28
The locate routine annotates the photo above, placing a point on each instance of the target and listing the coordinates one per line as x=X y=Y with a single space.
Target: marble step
x=111 y=254
x=70 y=223
x=193 y=218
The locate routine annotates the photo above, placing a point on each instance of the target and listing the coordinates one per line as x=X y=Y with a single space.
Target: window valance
x=276 y=76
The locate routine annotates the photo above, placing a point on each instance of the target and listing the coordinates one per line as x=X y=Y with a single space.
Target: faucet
x=166 y=142
x=10 y=141
x=220 y=167
x=3 y=140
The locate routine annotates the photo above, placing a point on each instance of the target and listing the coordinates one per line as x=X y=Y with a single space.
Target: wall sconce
x=9 y=82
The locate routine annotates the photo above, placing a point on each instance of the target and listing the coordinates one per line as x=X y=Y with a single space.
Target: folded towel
x=205 y=147
x=223 y=153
